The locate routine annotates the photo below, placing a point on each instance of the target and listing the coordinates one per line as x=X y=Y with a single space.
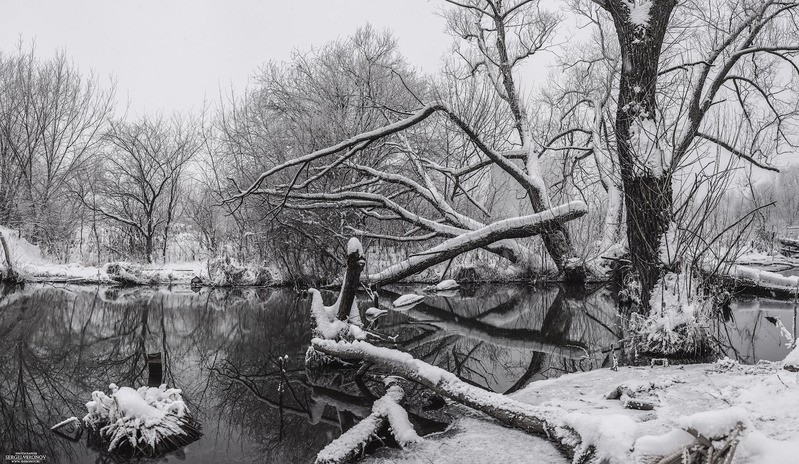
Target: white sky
x=171 y=54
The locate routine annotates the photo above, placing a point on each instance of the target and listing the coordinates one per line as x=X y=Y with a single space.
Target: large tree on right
x=717 y=61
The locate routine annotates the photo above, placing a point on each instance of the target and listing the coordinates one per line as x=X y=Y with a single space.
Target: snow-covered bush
x=127 y=274
x=148 y=421
x=677 y=323
x=227 y=272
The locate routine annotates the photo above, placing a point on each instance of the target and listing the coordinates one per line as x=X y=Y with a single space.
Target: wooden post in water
x=155 y=369
x=352 y=277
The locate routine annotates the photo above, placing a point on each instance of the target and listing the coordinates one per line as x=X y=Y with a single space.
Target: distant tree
x=139 y=183
x=51 y=122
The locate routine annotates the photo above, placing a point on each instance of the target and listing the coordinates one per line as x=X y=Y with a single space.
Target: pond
x=222 y=348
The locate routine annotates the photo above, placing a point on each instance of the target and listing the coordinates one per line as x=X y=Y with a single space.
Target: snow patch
x=661 y=445
x=639 y=14
x=353 y=246
x=715 y=424
x=612 y=436
x=328 y=326
x=644 y=143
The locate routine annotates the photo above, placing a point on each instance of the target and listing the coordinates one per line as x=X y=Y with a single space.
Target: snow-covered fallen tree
x=753 y=279
x=227 y=272
x=546 y=422
x=145 y=422
x=519 y=227
x=385 y=411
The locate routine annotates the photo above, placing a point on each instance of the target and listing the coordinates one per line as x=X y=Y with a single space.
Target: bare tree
x=139 y=186
x=396 y=168
x=51 y=121
x=693 y=80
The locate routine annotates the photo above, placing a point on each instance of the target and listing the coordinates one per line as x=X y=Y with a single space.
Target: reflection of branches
x=522 y=338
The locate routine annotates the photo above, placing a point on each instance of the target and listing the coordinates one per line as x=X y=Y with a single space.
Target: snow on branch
x=386 y=410
x=531 y=185
x=772 y=283
x=735 y=151
x=519 y=227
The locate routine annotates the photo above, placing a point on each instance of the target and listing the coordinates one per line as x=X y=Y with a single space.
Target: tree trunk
x=148 y=248
x=648 y=213
x=352 y=277
x=645 y=168
x=10 y=274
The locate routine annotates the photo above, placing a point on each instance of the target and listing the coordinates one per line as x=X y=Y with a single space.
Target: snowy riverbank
x=707 y=397
x=31 y=266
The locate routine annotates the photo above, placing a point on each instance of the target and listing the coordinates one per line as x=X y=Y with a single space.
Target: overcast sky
x=171 y=54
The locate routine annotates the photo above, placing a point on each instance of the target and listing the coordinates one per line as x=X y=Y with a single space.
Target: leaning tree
x=423 y=163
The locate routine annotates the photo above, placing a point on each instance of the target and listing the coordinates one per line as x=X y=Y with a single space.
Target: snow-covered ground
x=30 y=263
x=708 y=397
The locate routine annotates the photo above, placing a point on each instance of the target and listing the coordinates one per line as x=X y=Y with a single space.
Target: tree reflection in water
x=504 y=337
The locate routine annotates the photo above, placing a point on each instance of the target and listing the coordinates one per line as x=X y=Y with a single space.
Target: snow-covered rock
x=407 y=301
x=374 y=313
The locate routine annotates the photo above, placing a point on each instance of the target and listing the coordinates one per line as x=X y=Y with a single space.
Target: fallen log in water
x=541 y=421
x=755 y=281
x=385 y=411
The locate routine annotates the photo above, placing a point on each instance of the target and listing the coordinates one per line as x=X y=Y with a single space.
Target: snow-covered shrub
x=126 y=273
x=227 y=272
x=148 y=421
x=677 y=323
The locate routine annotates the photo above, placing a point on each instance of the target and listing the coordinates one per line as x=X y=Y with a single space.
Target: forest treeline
x=88 y=182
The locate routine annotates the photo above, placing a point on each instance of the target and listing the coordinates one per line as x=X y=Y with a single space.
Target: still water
x=222 y=348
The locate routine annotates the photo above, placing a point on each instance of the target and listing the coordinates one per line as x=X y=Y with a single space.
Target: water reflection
x=504 y=337
x=749 y=333
x=239 y=356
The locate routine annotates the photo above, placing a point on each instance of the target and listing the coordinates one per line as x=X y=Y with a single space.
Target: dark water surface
x=221 y=347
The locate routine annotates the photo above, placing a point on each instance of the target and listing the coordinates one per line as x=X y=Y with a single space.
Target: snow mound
x=715 y=424
x=22 y=251
x=328 y=326
x=612 y=436
x=354 y=245
x=148 y=420
x=791 y=362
